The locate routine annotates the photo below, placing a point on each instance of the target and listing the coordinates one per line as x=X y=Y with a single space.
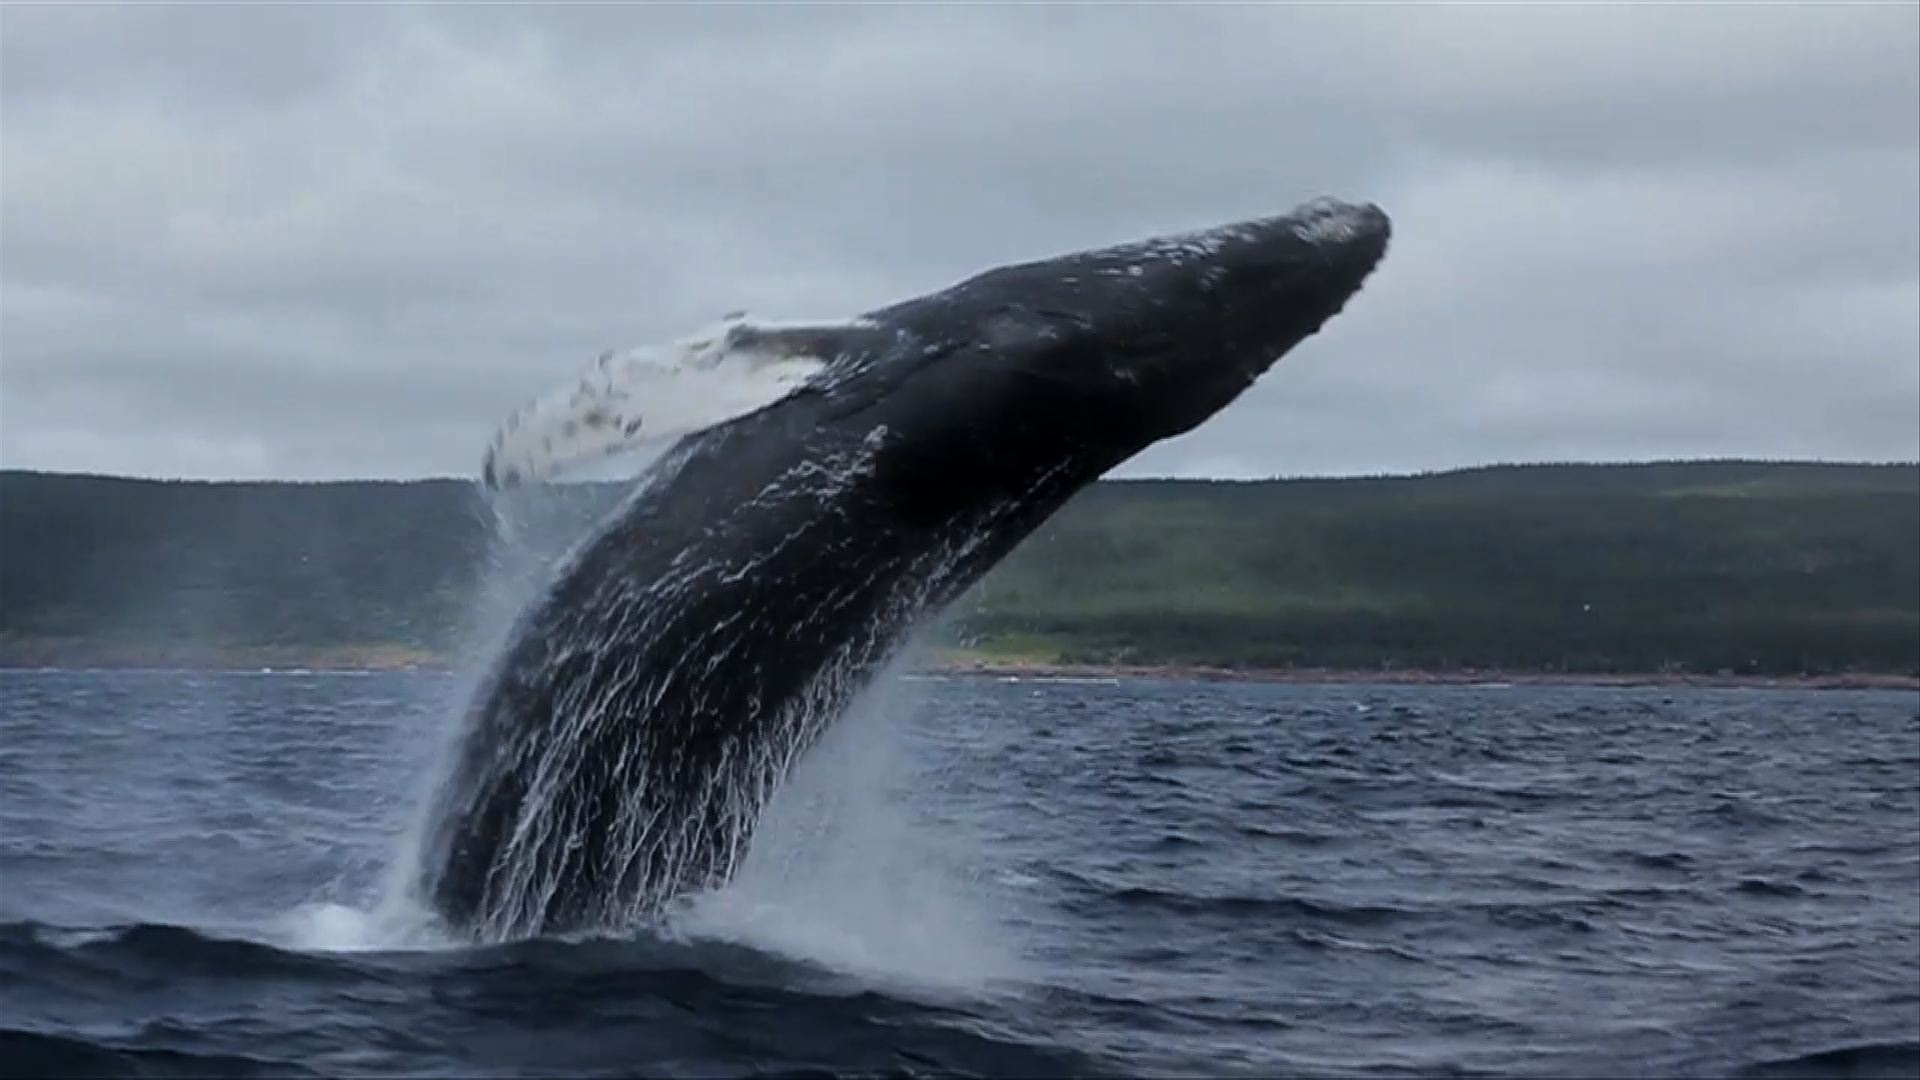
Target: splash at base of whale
x=767 y=567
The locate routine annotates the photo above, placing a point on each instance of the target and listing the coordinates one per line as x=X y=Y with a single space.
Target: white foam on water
x=844 y=870
x=386 y=927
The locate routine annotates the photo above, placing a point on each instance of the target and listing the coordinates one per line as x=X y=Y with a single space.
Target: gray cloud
x=332 y=241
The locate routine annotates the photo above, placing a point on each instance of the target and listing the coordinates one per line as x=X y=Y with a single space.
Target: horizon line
x=1160 y=478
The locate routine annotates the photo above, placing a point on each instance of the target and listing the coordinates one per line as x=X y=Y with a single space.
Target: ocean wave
x=691 y=1006
x=1866 y=1061
x=31 y=1053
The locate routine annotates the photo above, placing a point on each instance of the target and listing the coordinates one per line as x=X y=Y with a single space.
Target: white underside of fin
x=649 y=395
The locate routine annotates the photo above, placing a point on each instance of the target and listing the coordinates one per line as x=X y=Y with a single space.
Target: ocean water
x=204 y=875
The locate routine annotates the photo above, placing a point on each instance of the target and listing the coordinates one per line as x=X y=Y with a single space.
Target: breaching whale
x=622 y=747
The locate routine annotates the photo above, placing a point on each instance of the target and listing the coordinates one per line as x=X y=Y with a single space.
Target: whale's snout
x=1188 y=322
x=1293 y=273
x=1352 y=237
x=1361 y=229
x=1323 y=251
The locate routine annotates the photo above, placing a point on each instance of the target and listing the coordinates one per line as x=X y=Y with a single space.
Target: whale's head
x=1095 y=356
x=1177 y=328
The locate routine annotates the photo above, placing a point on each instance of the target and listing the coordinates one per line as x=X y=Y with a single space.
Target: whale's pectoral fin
x=647 y=396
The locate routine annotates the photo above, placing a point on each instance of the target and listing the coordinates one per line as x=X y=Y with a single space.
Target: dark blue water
x=204 y=875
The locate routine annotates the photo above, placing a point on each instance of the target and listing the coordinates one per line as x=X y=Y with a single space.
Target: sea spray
x=832 y=867
x=622 y=756
x=703 y=835
x=847 y=868
x=530 y=531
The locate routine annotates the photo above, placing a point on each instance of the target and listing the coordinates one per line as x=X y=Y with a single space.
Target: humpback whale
x=767 y=566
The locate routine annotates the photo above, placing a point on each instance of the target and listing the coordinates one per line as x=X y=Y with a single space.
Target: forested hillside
x=1704 y=567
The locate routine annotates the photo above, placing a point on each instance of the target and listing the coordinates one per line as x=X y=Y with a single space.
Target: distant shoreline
x=403 y=659
x=1677 y=573
x=1412 y=677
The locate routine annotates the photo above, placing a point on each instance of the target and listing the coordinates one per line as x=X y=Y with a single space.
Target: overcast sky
x=346 y=241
